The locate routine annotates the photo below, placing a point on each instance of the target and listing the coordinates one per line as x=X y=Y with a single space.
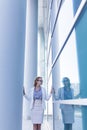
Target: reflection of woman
x=66 y=93
x=37 y=103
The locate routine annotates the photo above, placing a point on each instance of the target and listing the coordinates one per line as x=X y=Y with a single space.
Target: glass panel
x=69 y=67
x=76 y=125
x=76 y=4
x=65 y=21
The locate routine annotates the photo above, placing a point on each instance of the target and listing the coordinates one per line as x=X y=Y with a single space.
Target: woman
x=37 y=103
x=66 y=93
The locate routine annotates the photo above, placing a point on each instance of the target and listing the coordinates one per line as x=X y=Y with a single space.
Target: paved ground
x=27 y=125
x=48 y=125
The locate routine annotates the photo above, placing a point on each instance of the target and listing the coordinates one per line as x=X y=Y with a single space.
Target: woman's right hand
x=52 y=91
x=23 y=91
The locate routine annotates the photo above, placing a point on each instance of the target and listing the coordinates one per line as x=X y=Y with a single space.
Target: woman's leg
x=35 y=127
x=70 y=126
x=66 y=127
x=39 y=127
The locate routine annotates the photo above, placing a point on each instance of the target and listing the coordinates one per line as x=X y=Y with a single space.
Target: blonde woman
x=37 y=102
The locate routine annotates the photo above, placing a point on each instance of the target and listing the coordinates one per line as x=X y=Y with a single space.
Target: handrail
x=70 y=31
x=82 y=102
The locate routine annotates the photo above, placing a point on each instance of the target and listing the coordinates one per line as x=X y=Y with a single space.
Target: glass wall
x=72 y=30
x=68 y=57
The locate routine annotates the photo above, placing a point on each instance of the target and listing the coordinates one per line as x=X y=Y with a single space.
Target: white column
x=12 y=42
x=41 y=54
x=30 y=49
x=55 y=49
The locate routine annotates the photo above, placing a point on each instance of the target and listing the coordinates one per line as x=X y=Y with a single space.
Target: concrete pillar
x=55 y=71
x=12 y=45
x=30 y=49
x=81 y=40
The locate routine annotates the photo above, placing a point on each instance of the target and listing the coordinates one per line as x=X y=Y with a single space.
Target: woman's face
x=66 y=82
x=39 y=81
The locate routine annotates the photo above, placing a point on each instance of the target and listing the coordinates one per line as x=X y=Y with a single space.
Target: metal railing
x=82 y=102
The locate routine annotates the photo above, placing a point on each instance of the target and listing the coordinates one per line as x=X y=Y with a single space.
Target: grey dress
x=66 y=110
